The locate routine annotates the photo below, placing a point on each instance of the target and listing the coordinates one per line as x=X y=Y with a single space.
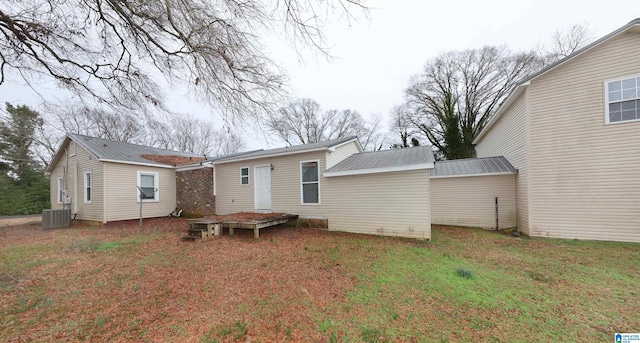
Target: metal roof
x=384 y=161
x=115 y=151
x=286 y=150
x=522 y=84
x=473 y=167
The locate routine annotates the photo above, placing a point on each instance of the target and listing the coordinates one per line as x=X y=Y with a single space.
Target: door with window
x=262 y=187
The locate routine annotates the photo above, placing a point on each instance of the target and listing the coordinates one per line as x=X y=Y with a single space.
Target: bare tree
x=298 y=122
x=402 y=128
x=302 y=122
x=451 y=101
x=110 y=50
x=174 y=132
x=564 y=43
x=226 y=142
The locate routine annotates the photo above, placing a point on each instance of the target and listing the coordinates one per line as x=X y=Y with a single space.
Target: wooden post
x=216 y=229
x=230 y=230
x=256 y=233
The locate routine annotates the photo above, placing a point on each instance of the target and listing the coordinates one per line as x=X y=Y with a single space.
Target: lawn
x=125 y=283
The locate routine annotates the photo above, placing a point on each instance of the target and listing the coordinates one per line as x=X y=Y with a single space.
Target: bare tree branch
x=110 y=50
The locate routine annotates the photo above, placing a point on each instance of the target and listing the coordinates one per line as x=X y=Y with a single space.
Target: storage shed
x=476 y=192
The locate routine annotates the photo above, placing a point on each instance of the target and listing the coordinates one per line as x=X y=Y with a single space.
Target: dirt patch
x=27 y=220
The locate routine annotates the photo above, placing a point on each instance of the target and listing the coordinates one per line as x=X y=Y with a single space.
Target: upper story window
x=72 y=148
x=622 y=100
x=244 y=176
x=310 y=182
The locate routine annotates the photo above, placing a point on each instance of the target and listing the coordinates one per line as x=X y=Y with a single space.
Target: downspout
x=497 y=227
x=104 y=192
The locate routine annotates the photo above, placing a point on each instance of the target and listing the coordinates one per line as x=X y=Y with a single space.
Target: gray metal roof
x=286 y=150
x=386 y=160
x=473 y=166
x=104 y=149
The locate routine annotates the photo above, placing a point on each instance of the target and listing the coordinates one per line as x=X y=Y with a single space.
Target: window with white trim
x=148 y=186
x=72 y=148
x=87 y=187
x=244 y=176
x=310 y=183
x=623 y=99
x=60 y=191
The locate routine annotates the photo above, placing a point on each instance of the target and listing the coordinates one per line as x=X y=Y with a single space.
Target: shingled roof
x=384 y=161
x=121 y=152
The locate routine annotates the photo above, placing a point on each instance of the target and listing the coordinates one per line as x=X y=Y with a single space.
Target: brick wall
x=194 y=192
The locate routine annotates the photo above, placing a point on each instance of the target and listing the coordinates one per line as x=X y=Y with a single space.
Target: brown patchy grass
x=125 y=283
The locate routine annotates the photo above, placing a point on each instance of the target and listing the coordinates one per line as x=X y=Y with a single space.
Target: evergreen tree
x=23 y=187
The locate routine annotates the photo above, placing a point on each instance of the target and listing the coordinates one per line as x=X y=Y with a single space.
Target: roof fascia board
x=166 y=166
x=269 y=156
x=473 y=175
x=56 y=156
x=503 y=108
x=379 y=170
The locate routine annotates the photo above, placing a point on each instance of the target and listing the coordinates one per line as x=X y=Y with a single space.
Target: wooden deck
x=205 y=228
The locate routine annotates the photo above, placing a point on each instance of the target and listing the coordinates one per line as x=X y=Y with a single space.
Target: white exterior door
x=262 y=187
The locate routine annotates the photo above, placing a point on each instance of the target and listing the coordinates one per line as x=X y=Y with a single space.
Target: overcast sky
x=375 y=57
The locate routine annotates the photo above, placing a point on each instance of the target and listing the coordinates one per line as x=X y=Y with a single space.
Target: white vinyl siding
x=389 y=204
x=122 y=198
x=87 y=187
x=470 y=201
x=285 y=185
x=74 y=183
x=622 y=99
x=584 y=173
x=340 y=153
x=508 y=137
x=310 y=182
x=244 y=176
x=148 y=188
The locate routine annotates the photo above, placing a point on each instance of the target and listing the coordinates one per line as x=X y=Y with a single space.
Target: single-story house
x=385 y=192
x=573 y=132
x=102 y=180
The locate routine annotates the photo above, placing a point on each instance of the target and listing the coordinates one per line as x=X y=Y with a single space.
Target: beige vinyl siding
x=508 y=138
x=340 y=153
x=470 y=201
x=122 y=192
x=390 y=204
x=584 y=174
x=232 y=197
x=78 y=164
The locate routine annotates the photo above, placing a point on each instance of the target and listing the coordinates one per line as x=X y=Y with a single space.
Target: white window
x=622 y=100
x=60 y=191
x=72 y=148
x=87 y=187
x=310 y=183
x=148 y=186
x=244 y=176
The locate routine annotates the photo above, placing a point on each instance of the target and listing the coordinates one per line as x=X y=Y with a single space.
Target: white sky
x=375 y=58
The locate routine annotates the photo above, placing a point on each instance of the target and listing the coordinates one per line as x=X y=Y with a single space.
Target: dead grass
x=125 y=283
